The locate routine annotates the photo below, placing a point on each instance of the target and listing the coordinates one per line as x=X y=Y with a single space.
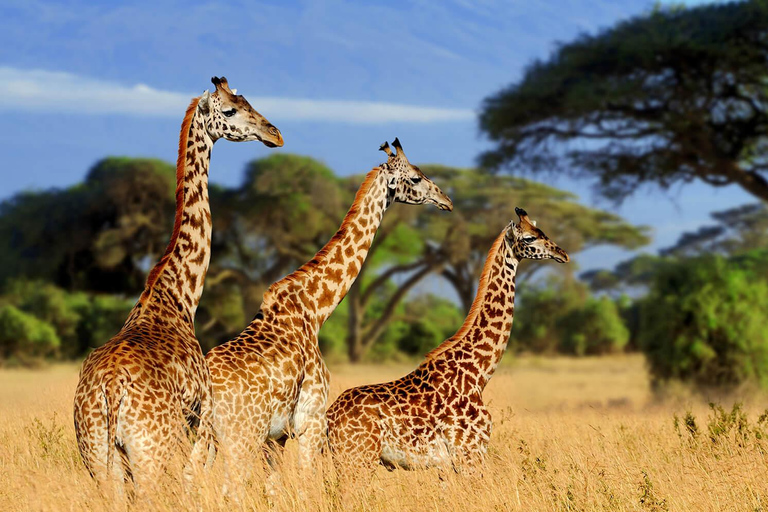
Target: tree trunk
x=355 y=349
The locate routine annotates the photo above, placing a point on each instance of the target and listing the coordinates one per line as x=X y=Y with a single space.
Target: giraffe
x=270 y=382
x=435 y=415
x=141 y=392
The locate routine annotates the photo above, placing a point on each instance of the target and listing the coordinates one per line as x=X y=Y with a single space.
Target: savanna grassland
x=569 y=434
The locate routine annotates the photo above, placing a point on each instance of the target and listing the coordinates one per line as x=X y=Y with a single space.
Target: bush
x=595 y=328
x=80 y=321
x=703 y=322
x=431 y=320
x=538 y=310
x=24 y=337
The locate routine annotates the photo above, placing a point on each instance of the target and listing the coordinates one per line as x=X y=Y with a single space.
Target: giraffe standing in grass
x=140 y=392
x=271 y=382
x=435 y=415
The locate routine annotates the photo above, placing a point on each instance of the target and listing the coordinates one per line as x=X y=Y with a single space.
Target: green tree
x=285 y=209
x=539 y=310
x=703 y=322
x=429 y=321
x=414 y=243
x=560 y=316
x=484 y=203
x=95 y=236
x=676 y=95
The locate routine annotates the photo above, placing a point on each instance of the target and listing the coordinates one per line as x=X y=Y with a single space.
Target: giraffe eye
x=415 y=180
x=529 y=239
x=229 y=113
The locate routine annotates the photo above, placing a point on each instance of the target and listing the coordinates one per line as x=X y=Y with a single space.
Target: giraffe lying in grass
x=435 y=415
x=270 y=382
x=139 y=392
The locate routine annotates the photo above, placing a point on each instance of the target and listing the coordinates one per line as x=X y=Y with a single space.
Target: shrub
x=703 y=322
x=595 y=328
x=24 y=337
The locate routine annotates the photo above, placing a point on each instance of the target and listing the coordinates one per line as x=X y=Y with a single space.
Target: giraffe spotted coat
x=271 y=382
x=435 y=415
x=140 y=393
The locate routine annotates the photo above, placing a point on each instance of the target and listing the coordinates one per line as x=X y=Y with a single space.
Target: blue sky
x=80 y=80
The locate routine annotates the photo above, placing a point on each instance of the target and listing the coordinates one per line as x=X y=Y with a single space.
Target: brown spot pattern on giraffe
x=435 y=416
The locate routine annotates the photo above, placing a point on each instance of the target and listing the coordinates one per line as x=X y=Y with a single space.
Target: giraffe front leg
x=470 y=445
x=312 y=438
x=309 y=416
x=204 y=450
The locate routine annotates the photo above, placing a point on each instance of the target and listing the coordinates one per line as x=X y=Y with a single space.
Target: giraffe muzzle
x=561 y=256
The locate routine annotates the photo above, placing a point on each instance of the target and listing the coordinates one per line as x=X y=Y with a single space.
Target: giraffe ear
x=392 y=182
x=205 y=103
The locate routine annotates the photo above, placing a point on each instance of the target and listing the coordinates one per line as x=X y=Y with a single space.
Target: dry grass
x=568 y=435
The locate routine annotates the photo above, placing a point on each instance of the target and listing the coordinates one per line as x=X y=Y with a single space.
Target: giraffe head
x=530 y=242
x=230 y=116
x=408 y=184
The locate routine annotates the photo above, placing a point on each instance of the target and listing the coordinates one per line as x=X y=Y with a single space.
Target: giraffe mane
x=322 y=253
x=475 y=308
x=154 y=274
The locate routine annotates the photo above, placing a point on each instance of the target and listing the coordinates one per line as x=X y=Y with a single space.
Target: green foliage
x=94 y=236
x=78 y=321
x=703 y=322
x=728 y=431
x=430 y=321
x=663 y=98
x=24 y=337
x=595 y=328
x=561 y=316
x=101 y=237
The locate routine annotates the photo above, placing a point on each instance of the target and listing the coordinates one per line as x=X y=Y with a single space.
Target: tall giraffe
x=435 y=415
x=271 y=381
x=139 y=392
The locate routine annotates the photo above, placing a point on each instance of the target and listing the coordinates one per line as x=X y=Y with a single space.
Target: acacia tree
x=485 y=203
x=285 y=209
x=418 y=242
x=676 y=95
x=93 y=236
x=740 y=232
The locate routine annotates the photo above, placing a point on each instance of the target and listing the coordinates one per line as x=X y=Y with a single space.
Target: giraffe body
x=147 y=388
x=271 y=382
x=435 y=415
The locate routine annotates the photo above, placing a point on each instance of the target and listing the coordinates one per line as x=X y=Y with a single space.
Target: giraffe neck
x=325 y=280
x=175 y=283
x=483 y=337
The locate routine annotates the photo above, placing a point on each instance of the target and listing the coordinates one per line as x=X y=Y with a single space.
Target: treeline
x=76 y=259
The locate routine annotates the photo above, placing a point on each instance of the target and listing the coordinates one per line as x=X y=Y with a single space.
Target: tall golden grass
x=568 y=435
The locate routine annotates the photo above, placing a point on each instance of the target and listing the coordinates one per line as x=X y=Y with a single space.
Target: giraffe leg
x=92 y=442
x=273 y=454
x=469 y=445
x=356 y=454
x=154 y=441
x=241 y=436
x=204 y=450
x=311 y=437
x=309 y=416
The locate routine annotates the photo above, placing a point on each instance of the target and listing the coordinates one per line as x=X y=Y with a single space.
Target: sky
x=85 y=79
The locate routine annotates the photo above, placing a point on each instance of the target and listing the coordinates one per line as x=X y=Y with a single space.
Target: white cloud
x=60 y=92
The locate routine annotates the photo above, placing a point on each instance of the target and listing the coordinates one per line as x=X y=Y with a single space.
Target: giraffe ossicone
x=139 y=394
x=435 y=415
x=270 y=382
